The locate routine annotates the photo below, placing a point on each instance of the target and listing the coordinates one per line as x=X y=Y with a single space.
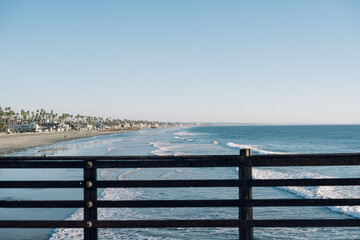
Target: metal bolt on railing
x=89 y=184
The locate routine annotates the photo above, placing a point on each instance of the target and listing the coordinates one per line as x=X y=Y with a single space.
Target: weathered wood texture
x=181 y=203
x=245 y=193
x=244 y=162
x=304 y=160
x=229 y=223
x=90 y=199
x=183 y=183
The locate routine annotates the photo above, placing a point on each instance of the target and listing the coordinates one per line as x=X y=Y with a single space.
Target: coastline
x=11 y=143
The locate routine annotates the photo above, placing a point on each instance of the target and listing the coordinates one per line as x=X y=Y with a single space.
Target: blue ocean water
x=192 y=141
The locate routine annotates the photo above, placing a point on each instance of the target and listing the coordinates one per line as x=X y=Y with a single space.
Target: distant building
x=49 y=127
x=64 y=127
x=19 y=126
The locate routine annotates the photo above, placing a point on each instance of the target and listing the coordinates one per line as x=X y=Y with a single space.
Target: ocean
x=215 y=140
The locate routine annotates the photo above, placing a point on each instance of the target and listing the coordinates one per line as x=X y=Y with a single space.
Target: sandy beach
x=10 y=143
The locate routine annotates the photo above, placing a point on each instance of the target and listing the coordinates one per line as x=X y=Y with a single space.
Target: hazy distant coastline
x=28 y=129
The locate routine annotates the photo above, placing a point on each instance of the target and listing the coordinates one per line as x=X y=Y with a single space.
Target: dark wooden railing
x=244 y=183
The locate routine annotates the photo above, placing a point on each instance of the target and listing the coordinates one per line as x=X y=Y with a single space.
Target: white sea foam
x=163 y=149
x=111 y=149
x=184 y=134
x=311 y=192
x=254 y=148
x=103 y=213
x=315 y=192
x=185 y=139
x=191 y=147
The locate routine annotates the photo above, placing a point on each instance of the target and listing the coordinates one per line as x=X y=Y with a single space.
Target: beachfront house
x=49 y=127
x=64 y=127
x=98 y=126
x=125 y=125
x=55 y=127
x=82 y=127
x=24 y=126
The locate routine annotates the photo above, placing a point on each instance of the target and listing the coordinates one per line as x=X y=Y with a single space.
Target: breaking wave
x=256 y=149
x=314 y=192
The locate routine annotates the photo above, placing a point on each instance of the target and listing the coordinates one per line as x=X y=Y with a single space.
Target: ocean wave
x=163 y=149
x=315 y=192
x=185 y=139
x=111 y=149
x=184 y=134
x=104 y=213
x=308 y=192
x=254 y=148
x=177 y=137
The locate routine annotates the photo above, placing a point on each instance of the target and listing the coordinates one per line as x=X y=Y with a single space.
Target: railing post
x=245 y=193
x=90 y=198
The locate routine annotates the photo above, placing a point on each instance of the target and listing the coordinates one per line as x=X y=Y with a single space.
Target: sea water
x=192 y=141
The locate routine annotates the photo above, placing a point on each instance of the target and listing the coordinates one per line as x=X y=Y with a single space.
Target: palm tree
x=1 y=122
x=37 y=117
x=16 y=116
x=42 y=115
x=52 y=115
x=23 y=114
x=89 y=120
x=9 y=114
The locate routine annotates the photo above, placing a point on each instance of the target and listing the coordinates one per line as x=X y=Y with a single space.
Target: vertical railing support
x=245 y=193
x=90 y=198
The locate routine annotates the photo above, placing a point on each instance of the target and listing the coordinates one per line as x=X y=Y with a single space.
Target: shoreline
x=11 y=143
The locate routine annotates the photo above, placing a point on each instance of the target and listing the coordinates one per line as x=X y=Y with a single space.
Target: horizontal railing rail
x=182 y=203
x=181 y=223
x=245 y=203
x=183 y=183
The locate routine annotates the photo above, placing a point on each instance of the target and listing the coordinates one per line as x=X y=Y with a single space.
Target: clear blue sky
x=197 y=60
